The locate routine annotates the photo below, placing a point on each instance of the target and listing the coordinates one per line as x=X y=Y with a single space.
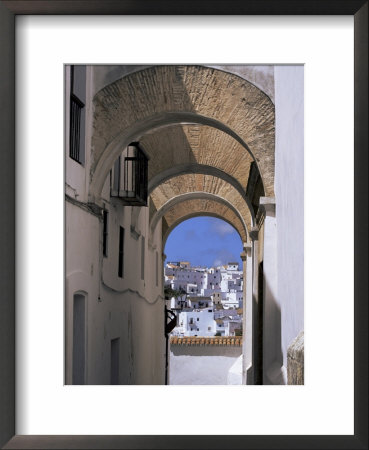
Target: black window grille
x=255 y=188
x=105 y=233
x=121 y=253
x=129 y=176
x=76 y=107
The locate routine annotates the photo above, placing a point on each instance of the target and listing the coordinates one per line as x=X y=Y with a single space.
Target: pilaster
x=246 y=257
x=272 y=355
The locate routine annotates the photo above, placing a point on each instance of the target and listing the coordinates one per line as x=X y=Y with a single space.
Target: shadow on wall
x=267 y=335
x=268 y=360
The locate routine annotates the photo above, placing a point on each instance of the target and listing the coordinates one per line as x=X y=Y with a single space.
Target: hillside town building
x=148 y=147
x=208 y=291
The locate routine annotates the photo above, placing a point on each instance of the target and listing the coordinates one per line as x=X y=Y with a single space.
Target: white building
x=206 y=282
x=232 y=300
x=200 y=302
x=196 y=322
x=233 y=266
x=192 y=281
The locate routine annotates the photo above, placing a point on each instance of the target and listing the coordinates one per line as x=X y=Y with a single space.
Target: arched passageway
x=152 y=98
x=209 y=139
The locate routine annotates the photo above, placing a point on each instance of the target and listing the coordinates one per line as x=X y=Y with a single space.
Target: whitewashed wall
x=127 y=308
x=289 y=189
x=202 y=365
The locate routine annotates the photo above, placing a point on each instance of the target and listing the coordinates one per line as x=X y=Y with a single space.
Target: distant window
x=105 y=233
x=210 y=310
x=209 y=328
x=121 y=253
x=197 y=319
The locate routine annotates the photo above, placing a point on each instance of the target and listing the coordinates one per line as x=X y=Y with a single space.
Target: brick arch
x=159 y=95
x=190 y=196
x=197 y=185
x=201 y=207
x=196 y=144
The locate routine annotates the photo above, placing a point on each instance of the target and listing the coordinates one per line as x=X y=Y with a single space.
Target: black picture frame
x=8 y=11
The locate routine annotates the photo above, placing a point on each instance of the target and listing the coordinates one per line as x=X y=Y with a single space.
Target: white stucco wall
x=289 y=189
x=127 y=308
x=199 y=366
x=116 y=307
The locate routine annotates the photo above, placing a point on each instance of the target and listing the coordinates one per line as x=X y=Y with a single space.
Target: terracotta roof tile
x=235 y=341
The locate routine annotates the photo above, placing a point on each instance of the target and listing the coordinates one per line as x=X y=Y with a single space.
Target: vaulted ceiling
x=201 y=128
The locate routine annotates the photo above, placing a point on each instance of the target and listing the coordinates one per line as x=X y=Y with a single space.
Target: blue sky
x=204 y=241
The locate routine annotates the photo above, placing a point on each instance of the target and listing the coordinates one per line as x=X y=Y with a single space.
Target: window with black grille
x=105 y=233
x=255 y=188
x=77 y=113
x=129 y=176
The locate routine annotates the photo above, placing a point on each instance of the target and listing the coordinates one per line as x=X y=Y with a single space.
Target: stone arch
x=135 y=104
x=193 y=169
x=135 y=133
x=193 y=185
x=105 y=75
x=190 y=196
x=182 y=169
x=196 y=144
x=194 y=207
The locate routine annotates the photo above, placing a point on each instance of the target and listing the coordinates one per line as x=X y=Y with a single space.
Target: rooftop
x=235 y=341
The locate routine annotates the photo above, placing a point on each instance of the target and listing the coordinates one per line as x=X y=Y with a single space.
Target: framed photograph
x=252 y=113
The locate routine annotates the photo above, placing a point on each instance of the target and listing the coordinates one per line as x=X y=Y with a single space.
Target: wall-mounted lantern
x=128 y=178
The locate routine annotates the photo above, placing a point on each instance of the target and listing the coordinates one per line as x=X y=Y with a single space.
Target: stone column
x=251 y=375
x=246 y=257
x=272 y=353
